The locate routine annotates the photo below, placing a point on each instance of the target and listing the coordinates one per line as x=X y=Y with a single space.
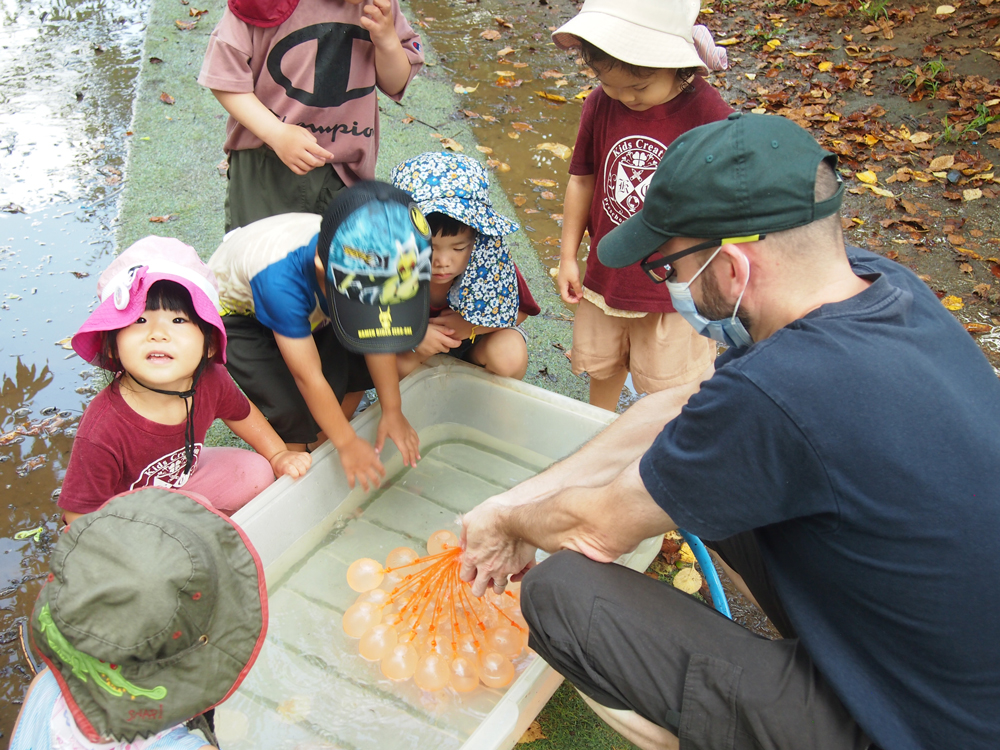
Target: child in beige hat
x=650 y=61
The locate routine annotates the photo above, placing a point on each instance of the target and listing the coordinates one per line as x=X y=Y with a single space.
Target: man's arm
x=601 y=460
x=358 y=457
x=602 y=523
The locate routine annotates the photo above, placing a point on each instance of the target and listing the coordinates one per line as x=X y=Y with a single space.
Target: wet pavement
x=67 y=73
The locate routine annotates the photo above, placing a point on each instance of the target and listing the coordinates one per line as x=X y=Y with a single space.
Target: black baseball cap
x=375 y=247
x=735 y=179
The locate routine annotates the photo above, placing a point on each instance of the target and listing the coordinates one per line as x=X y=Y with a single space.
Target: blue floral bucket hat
x=459 y=186
x=452 y=184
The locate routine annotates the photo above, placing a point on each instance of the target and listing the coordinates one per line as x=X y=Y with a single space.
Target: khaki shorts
x=661 y=350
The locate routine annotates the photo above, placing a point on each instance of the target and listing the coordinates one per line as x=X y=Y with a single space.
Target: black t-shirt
x=862 y=444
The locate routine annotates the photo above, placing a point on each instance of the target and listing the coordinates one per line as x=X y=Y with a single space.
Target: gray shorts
x=630 y=642
x=260 y=185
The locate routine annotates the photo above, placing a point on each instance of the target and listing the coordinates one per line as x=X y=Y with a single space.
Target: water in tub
x=310 y=688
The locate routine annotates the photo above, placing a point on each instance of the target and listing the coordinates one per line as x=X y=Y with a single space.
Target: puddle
x=67 y=73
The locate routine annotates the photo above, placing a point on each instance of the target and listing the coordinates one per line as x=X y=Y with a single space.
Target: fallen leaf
x=688 y=580
x=162 y=219
x=155 y=61
x=484 y=149
x=981 y=289
x=972 y=194
x=498 y=165
x=944 y=10
x=408 y=119
x=551 y=74
x=522 y=126
x=459 y=89
x=196 y=13
x=686 y=555
x=551 y=97
x=531 y=734
x=977 y=329
x=868 y=177
x=559 y=149
x=548 y=195
x=166 y=98
x=185 y=25
x=490 y=34
x=543 y=182
x=953 y=303
x=489 y=118
x=452 y=145
x=825 y=66
x=222 y=167
x=505 y=51
x=520 y=199
x=920 y=137
x=941 y=163
x=514 y=136
x=728 y=42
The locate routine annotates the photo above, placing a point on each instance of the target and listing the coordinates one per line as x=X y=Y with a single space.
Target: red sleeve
x=525 y=301
x=583 y=156
x=230 y=403
x=93 y=477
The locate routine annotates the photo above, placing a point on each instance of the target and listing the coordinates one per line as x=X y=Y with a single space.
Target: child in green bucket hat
x=153 y=613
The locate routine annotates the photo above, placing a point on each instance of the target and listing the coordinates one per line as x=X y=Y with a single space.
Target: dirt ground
x=908 y=97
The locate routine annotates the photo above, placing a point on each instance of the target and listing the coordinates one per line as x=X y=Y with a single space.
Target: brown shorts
x=661 y=350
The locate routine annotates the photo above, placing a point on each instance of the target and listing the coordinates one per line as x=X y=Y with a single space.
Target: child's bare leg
x=502 y=352
x=407 y=363
x=350 y=403
x=607 y=392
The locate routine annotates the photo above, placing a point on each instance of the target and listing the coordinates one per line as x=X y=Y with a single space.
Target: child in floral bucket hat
x=478 y=296
x=153 y=613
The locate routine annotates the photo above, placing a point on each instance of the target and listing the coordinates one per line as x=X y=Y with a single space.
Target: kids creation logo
x=628 y=168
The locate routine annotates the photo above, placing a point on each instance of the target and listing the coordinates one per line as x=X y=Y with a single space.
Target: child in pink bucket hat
x=157 y=329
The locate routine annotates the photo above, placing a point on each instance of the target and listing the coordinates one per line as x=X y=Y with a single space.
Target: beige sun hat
x=648 y=33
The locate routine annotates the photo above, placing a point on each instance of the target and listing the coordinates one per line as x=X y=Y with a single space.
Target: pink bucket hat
x=647 y=33
x=124 y=285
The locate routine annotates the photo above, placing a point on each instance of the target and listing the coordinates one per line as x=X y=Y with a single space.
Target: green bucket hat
x=735 y=179
x=154 y=612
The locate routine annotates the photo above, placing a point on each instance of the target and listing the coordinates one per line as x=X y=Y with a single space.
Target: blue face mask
x=729 y=331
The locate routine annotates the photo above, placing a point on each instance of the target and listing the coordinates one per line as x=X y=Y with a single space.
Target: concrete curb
x=175 y=149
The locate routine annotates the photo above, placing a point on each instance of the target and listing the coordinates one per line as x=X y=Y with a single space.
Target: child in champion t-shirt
x=298 y=79
x=650 y=93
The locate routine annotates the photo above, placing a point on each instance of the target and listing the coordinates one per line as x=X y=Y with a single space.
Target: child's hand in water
x=361 y=462
x=395 y=426
x=298 y=149
x=293 y=464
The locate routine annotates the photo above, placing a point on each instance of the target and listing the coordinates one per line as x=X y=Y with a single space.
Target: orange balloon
x=506 y=640
x=495 y=670
x=441 y=540
x=464 y=677
x=359 y=618
x=400 y=556
x=377 y=642
x=400 y=663
x=432 y=672
x=364 y=574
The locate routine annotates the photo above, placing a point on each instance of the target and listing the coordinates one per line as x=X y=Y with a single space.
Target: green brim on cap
x=154 y=612
x=629 y=242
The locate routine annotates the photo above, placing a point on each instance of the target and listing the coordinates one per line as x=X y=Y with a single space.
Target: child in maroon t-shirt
x=159 y=331
x=650 y=94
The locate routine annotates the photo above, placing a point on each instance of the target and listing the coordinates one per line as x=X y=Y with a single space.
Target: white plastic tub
x=310 y=689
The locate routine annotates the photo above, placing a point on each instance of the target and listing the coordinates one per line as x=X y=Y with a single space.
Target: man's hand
x=361 y=462
x=378 y=21
x=568 y=280
x=298 y=149
x=490 y=556
x=395 y=426
x=290 y=463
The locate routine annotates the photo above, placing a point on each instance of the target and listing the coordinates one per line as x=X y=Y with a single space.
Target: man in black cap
x=841 y=462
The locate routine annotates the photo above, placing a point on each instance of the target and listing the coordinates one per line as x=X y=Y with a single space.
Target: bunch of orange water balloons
x=418 y=619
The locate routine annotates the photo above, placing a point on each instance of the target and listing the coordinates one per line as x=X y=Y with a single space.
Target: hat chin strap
x=188 y=406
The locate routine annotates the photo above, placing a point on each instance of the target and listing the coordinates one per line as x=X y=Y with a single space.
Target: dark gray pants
x=630 y=642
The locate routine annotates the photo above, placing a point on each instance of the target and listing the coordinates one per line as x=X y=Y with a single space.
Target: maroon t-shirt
x=622 y=149
x=116 y=449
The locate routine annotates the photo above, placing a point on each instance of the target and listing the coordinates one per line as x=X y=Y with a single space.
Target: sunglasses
x=659 y=267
